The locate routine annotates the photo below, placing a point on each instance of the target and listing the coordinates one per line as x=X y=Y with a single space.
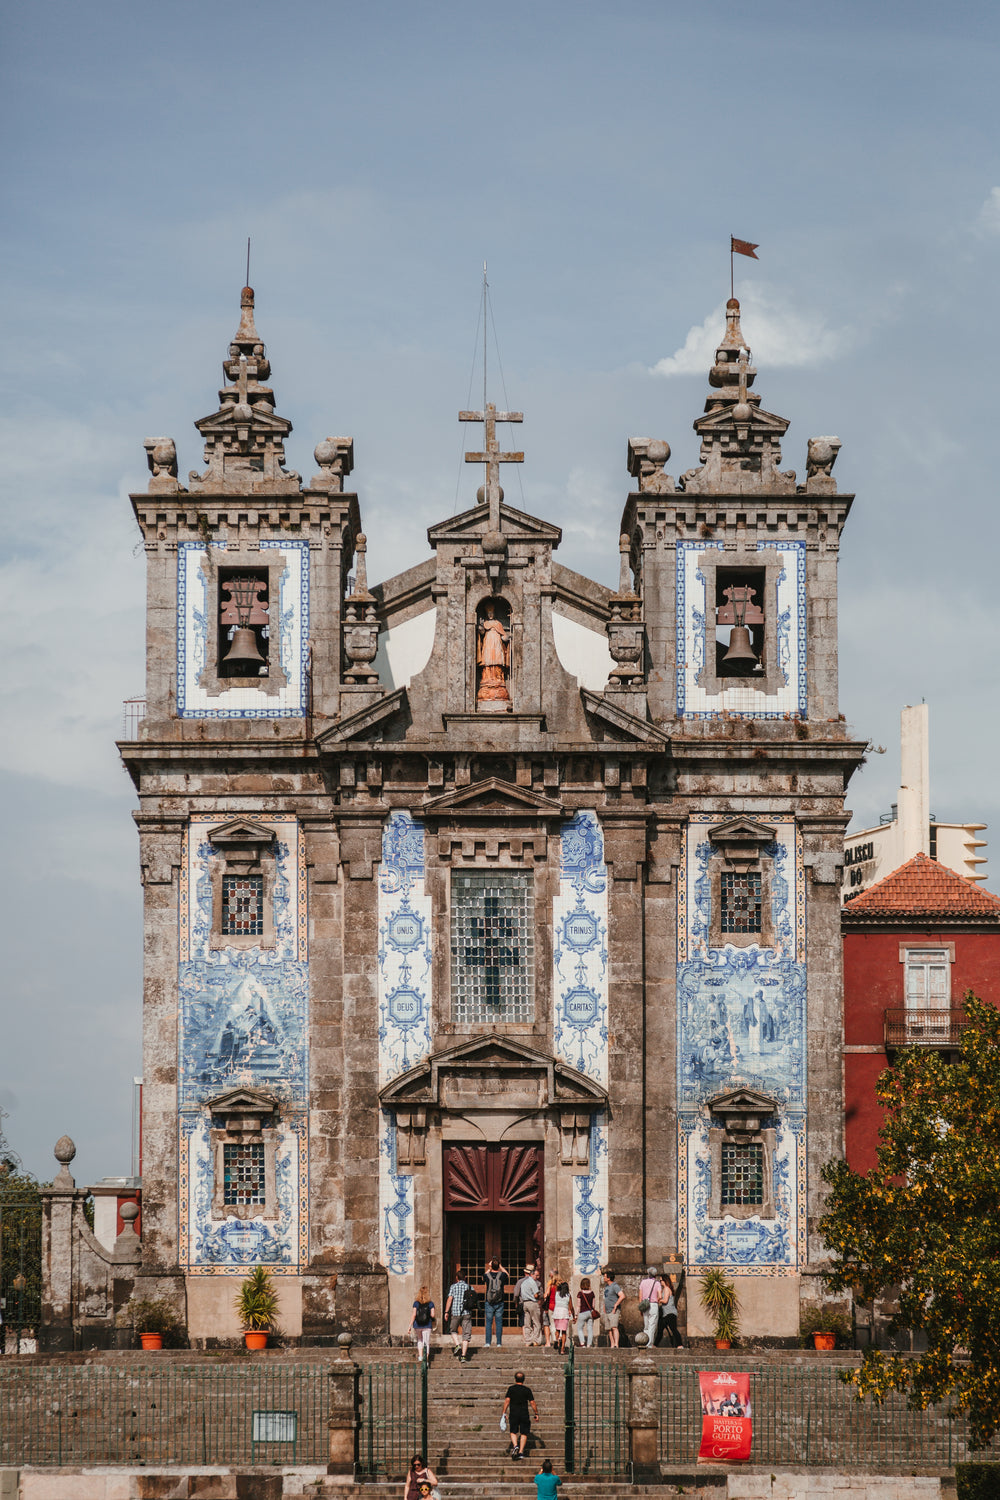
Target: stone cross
x=492 y=457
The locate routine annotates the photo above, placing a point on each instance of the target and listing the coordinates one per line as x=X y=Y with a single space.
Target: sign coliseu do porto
x=726 y=1417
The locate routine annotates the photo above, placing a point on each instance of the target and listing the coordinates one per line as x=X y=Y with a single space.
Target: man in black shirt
x=515 y=1409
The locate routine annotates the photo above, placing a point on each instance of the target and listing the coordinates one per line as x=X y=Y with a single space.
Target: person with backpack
x=528 y=1292
x=458 y=1314
x=422 y=1322
x=496 y=1279
x=649 y=1303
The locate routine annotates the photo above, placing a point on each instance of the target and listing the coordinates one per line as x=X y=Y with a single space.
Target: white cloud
x=778 y=334
x=989 y=214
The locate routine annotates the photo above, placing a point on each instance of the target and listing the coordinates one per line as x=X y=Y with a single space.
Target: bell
x=244 y=648
x=740 y=649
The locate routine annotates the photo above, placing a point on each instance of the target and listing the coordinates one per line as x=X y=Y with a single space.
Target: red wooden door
x=493 y=1178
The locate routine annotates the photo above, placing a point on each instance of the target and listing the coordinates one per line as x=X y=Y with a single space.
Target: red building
x=913 y=944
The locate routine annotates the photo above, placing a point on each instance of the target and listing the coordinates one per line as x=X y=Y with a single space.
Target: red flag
x=743 y=247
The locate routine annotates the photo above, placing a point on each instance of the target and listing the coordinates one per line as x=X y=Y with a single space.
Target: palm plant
x=256 y=1301
x=719 y=1299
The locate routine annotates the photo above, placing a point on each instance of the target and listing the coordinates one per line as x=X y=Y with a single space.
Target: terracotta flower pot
x=151 y=1340
x=255 y=1339
x=825 y=1340
x=723 y=1343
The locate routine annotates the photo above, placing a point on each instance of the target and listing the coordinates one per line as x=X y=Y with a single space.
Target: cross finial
x=492 y=457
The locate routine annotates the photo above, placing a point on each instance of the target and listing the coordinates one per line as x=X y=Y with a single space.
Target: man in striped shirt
x=457 y=1315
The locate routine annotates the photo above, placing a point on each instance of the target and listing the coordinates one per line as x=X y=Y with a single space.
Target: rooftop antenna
x=247 y=282
x=486 y=288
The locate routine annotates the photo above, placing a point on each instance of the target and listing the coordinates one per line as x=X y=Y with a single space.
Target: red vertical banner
x=726 y=1417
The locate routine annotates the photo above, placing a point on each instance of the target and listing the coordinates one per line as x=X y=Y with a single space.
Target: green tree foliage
x=20 y=1242
x=926 y=1220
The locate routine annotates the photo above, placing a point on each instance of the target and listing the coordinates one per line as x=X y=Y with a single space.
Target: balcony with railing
x=923 y=1028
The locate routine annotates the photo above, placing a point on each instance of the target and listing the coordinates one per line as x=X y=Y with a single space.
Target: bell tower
x=735 y=564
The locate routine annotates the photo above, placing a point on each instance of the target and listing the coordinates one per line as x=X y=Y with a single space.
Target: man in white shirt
x=530 y=1292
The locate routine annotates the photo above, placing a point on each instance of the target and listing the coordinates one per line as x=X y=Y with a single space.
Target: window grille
x=741 y=910
x=492 y=946
x=742 y=1175
x=244 y=1175
x=242 y=905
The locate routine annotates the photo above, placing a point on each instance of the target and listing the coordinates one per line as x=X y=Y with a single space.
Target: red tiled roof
x=923 y=888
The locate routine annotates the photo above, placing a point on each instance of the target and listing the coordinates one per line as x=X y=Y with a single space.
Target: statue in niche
x=493 y=656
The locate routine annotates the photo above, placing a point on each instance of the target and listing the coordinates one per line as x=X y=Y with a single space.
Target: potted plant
x=719 y=1299
x=257 y=1307
x=154 y=1319
x=824 y=1329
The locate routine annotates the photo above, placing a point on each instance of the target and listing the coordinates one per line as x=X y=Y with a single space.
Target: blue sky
x=599 y=156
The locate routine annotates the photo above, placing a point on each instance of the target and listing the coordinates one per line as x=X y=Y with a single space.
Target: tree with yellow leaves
x=925 y=1221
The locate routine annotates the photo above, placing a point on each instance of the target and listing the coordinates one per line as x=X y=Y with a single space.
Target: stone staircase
x=464 y=1402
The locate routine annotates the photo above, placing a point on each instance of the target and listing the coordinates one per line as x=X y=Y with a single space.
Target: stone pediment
x=261 y=418
x=246 y=1102
x=240 y=833
x=545 y=1081
x=485 y=799
x=359 y=724
x=742 y=840
x=722 y=421
x=516 y=525
x=626 y=725
x=742 y=1109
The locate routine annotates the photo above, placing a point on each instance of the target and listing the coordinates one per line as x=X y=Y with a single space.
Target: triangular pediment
x=515 y=524
x=742 y=1101
x=742 y=830
x=242 y=1102
x=262 y=419
x=492 y=1055
x=490 y=796
x=240 y=831
x=722 y=420
x=627 y=726
x=363 y=721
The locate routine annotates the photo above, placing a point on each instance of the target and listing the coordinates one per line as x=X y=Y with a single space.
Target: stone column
x=60 y=1203
x=344 y=1409
x=644 y=1416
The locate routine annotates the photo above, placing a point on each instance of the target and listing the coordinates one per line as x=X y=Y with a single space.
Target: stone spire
x=244 y=439
x=740 y=442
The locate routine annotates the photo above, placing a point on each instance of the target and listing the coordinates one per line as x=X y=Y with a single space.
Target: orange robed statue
x=493 y=657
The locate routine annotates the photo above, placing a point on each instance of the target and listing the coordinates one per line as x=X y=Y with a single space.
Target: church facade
x=488 y=910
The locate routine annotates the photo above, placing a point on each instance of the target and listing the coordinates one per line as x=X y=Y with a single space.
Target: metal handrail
x=904 y=1027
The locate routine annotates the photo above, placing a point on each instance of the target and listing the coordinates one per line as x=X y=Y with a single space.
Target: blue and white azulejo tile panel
x=395 y=1204
x=580 y=950
x=289 y=634
x=243 y=1022
x=741 y=1020
x=404 y=949
x=696 y=634
x=590 y=1204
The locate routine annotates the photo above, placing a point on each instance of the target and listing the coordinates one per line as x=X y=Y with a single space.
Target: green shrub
x=824 y=1320
x=155 y=1315
x=977 y=1481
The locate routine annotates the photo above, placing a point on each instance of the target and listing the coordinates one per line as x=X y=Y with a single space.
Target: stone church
x=488 y=910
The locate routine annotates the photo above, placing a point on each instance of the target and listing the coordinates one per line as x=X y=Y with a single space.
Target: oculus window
x=492 y=946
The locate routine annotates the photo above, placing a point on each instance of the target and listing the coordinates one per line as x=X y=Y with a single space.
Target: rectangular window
x=742 y=1175
x=243 y=1186
x=242 y=905
x=492 y=946
x=740 y=901
x=928 y=978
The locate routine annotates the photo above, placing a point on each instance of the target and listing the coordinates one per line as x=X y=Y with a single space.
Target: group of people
x=546 y=1317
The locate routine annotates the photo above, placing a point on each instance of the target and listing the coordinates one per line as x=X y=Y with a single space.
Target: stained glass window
x=742 y=1175
x=243 y=905
x=244 y=1175
x=492 y=946
x=740 y=901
